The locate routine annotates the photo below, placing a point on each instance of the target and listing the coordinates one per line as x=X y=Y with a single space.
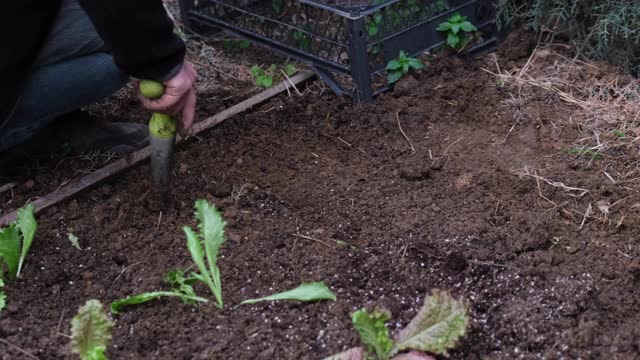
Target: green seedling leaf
x=394 y=65
x=15 y=241
x=91 y=331
x=10 y=249
x=445 y=26
x=3 y=296
x=618 y=133
x=453 y=40
x=118 y=305
x=181 y=285
x=290 y=69
x=455 y=28
x=394 y=76
x=437 y=327
x=306 y=292
x=468 y=27
x=28 y=226
x=415 y=64
x=211 y=226
x=74 y=241
x=373 y=331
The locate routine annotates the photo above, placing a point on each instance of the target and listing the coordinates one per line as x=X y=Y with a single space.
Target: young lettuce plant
x=15 y=241
x=400 y=66
x=306 y=292
x=91 y=331
x=211 y=235
x=180 y=288
x=439 y=325
x=458 y=30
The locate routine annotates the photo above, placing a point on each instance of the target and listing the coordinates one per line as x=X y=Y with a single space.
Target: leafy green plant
x=233 y=45
x=618 y=133
x=15 y=241
x=372 y=327
x=458 y=30
x=439 y=325
x=401 y=65
x=211 y=235
x=91 y=331
x=590 y=153
x=303 y=40
x=118 y=305
x=278 y=6
x=306 y=292
x=263 y=78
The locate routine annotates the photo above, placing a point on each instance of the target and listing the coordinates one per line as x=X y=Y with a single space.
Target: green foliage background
x=597 y=29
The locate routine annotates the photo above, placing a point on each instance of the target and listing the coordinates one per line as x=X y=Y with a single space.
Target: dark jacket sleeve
x=140 y=35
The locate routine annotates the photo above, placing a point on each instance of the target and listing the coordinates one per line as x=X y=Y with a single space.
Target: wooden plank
x=79 y=184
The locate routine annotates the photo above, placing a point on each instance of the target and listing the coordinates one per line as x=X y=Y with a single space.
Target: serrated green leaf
x=373 y=331
x=90 y=331
x=394 y=65
x=74 y=241
x=181 y=285
x=118 y=305
x=445 y=26
x=394 y=76
x=467 y=27
x=211 y=227
x=313 y=291
x=10 y=249
x=437 y=327
x=28 y=226
x=455 y=28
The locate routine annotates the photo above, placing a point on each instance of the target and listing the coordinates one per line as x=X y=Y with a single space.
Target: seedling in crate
x=400 y=66
x=439 y=325
x=265 y=78
x=91 y=332
x=458 y=30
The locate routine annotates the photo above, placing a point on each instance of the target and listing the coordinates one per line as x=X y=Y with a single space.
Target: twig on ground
x=125 y=269
x=291 y=82
x=486 y=263
x=580 y=191
x=587 y=213
x=413 y=149
x=446 y=151
x=7 y=187
x=20 y=350
x=337 y=138
x=312 y=239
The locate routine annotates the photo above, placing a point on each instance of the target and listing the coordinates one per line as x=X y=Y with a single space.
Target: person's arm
x=140 y=35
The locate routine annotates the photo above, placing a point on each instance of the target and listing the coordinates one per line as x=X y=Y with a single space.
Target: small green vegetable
x=162 y=125
x=151 y=89
x=306 y=292
x=457 y=29
x=118 y=305
x=373 y=331
x=401 y=65
x=211 y=234
x=15 y=241
x=91 y=331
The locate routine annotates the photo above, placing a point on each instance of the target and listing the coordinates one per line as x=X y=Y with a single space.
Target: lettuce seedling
x=91 y=332
x=118 y=305
x=15 y=241
x=439 y=325
x=306 y=292
x=372 y=327
x=211 y=235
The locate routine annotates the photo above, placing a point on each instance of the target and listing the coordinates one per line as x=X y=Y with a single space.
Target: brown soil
x=455 y=215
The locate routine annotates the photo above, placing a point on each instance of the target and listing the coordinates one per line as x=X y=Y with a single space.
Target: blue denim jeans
x=73 y=69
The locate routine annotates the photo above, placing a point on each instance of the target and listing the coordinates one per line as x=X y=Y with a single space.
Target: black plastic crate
x=348 y=42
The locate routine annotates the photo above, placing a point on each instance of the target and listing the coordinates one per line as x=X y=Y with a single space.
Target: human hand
x=179 y=98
